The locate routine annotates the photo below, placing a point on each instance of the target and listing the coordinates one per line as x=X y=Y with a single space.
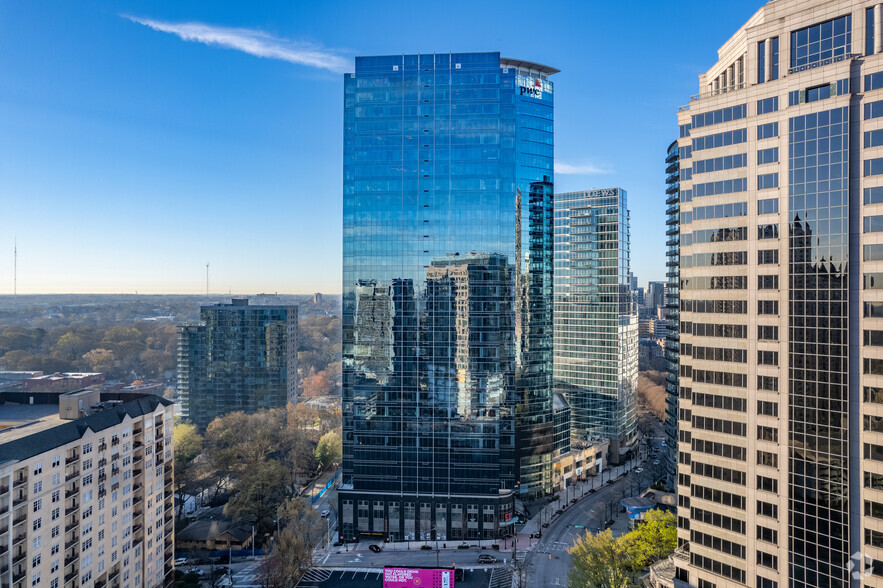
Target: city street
x=546 y=559
x=549 y=563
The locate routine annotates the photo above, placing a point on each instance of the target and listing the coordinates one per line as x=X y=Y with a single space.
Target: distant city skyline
x=140 y=142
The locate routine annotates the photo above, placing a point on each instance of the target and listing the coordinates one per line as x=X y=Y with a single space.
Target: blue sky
x=139 y=141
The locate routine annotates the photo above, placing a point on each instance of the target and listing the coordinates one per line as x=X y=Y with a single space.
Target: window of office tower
x=818 y=347
x=821 y=41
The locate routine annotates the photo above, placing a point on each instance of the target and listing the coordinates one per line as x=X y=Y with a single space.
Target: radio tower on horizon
x=206 y=278
x=15 y=266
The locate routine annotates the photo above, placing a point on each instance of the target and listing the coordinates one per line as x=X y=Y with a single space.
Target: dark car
x=375 y=548
x=223 y=560
x=221 y=571
x=485 y=558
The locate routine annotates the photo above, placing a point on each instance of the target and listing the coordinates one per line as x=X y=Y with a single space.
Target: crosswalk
x=317 y=575
x=247 y=577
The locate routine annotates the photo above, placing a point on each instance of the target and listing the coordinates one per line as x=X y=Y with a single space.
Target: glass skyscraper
x=447 y=285
x=596 y=325
x=240 y=357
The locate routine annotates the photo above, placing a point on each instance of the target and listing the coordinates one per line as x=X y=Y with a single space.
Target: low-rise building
x=86 y=492
x=61 y=382
x=213 y=535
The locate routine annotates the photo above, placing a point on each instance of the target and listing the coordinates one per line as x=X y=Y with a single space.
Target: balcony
x=18 y=577
x=137 y=431
x=71 y=509
x=137 y=487
x=20 y=500
x=102 y=462
x=21 y=556
x=115 y=441
x=136 y=473
x=137 y=459
x=136 y=529
x=4 y=489
x=72 y=491
x=71 y=459
x=136 y=514
x=115 y=486
x=102 y=447
x=72 y=475
x=137 y=540
x=71 y=527
x=18 y=539
x=102 y=477
x=70 y=576
x=136 y=500
x=19 y=482
x=72 y=543
x=19 y=520
x=71 y=559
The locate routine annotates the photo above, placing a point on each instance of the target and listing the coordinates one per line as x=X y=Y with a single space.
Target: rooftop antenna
x=15 y=266
x=206 y=278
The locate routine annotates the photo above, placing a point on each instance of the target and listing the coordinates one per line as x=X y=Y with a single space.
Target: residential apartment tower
x=240 y=357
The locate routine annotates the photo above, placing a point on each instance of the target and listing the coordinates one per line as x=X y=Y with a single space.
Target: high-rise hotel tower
x=780 y=403
x=447 y=294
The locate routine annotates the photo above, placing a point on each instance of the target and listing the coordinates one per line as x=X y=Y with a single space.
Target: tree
x=329 y=449
x=188 y=446
x=600 y=561
x=655 y=538
x=257 y=493
x=293 y=548
x=317 y=385
x=100 y=360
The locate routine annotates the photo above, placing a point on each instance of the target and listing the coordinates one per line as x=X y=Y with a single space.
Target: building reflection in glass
x=818 y=348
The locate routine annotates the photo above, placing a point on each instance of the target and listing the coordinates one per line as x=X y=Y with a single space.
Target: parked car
x=375 y=548
x=485 y=558
x=656 y=462
x=221 y=571
x=325 y=513
x=639 y=470
x=196 y=571
x=180 y=561
x=223 y=560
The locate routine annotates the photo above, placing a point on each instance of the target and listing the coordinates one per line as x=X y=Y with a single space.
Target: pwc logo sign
x=533 y=87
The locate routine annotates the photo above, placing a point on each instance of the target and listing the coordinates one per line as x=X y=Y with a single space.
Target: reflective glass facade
x=240 y=357
x=447 y=259
x=818 y=380
x=596 y=326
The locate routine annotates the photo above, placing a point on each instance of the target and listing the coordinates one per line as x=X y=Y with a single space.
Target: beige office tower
x=86 y=493
x=780 y=475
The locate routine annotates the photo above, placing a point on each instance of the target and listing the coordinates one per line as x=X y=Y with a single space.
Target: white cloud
x=253 y=42
x=580 y=169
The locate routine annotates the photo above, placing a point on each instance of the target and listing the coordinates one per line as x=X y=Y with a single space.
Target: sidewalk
x=523 y=538
x=314 y=487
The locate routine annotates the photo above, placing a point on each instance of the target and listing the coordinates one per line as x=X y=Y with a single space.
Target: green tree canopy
x=329 y=449
x=600 y=561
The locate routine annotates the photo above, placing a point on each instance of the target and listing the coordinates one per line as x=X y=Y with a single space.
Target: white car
x=639 y=470
x=325 y=513
x=656 y=462
x=180 y=561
